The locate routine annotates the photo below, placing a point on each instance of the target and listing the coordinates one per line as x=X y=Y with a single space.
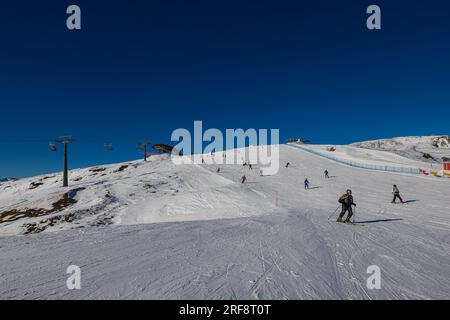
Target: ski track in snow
x=187 y=232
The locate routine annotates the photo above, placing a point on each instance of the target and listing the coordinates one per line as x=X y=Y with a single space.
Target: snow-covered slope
x=126 y=193
x=434 y=149
x=218 y=238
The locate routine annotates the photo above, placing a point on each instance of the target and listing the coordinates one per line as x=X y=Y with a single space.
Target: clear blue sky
x=140 y=69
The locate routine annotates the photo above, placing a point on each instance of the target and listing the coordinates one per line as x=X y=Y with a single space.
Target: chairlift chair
x=52 y=147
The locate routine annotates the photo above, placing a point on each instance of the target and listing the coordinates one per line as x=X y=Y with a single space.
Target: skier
x=306 y=184
x=218 y=170
x=396 y=193
x=250 y=166
x=347 y=202
x=326 y=174
x=288 y=164
x=243 y=179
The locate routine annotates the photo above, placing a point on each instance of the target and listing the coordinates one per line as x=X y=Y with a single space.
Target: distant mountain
x=433 y=149
x=8 y=179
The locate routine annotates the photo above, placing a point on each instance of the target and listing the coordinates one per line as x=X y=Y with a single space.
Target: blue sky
x=140 y=69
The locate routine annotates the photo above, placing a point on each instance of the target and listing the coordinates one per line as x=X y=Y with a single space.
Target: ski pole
x=333 y=213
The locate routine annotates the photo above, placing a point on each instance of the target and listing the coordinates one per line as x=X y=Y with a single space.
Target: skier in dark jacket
x=326 y=174
x=396 y=193
x=306 y=184
x=347 y=202
x=288 y=164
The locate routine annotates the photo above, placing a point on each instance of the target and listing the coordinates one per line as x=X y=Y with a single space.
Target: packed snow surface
x=157 y=230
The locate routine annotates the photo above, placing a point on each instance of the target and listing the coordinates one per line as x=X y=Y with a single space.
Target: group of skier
x=346 y=200
x=306 y=182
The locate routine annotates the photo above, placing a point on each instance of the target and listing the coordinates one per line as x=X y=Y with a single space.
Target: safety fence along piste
x=410 y=170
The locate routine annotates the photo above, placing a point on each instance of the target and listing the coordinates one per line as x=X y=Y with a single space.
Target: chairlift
x=52 y=147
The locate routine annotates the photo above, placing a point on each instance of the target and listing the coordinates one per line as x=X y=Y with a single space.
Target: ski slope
x=351 y=153
x=161 y=231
